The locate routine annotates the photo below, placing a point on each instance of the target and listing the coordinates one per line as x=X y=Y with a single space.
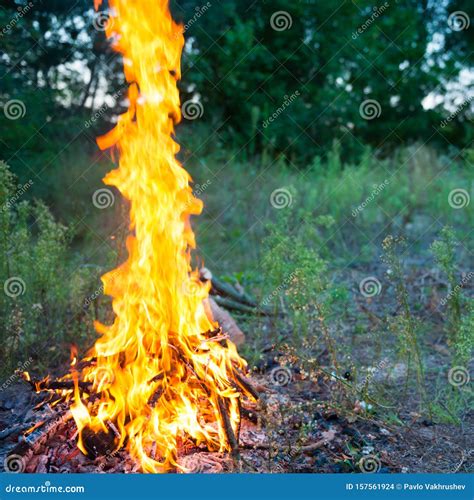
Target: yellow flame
x=158 y=376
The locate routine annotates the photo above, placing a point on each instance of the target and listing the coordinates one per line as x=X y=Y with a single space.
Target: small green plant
x=444 y=251
x=465 y=338
x=299 y=282
x=405 y=324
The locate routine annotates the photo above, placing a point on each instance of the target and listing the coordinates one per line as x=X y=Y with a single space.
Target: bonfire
x=164 y=375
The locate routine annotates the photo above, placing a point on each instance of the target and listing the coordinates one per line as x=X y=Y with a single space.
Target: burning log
x=246 y=385
x=232 y=440
x=32 y=442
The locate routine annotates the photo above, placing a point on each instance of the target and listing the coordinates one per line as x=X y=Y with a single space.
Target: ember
x=163 y=374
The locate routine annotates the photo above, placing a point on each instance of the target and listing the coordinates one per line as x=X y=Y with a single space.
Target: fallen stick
x=227 y=290
x=243 y=308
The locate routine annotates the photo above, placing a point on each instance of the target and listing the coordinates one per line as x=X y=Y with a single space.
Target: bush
x=42 y=304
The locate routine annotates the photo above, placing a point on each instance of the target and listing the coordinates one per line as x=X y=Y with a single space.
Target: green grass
x=271 y=226
x=413 y=201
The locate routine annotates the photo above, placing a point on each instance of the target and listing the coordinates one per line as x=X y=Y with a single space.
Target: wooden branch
x=56 y=385
x=246 y=385
x=226 y=424
x=31 y=445
x=227 y=290
x=243 y=308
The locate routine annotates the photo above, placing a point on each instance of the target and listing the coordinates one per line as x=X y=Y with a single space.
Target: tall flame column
x=161 y=379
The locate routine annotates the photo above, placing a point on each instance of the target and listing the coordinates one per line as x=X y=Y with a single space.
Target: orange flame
x=161 y=381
